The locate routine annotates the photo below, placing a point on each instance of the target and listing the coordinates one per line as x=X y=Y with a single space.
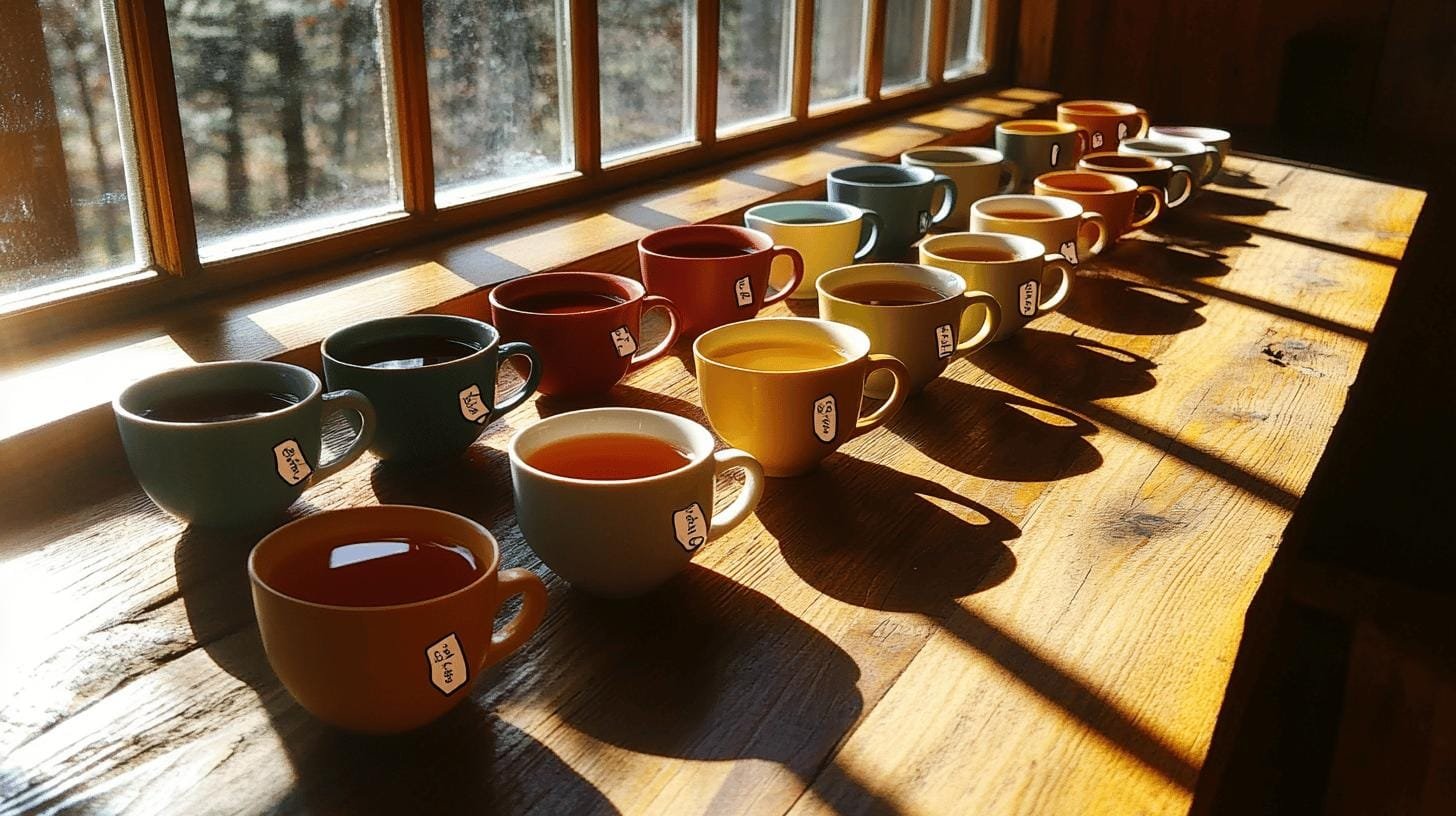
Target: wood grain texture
x=1021 y=596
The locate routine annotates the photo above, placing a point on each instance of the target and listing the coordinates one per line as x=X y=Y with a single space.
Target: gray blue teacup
x=900 y=195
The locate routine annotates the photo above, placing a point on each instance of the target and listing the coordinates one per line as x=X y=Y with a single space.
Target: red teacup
x=713 y=273
x=584 y=326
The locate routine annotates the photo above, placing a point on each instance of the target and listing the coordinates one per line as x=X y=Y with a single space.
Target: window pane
x=755 y=60
x=965 y=38
x=65 y=210
x=284 y=118
x=645 y=50
x=839 y=36
x=498 y=77
x=906 y=25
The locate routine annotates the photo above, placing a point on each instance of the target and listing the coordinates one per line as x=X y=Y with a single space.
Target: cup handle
x=747 y=499
x=874 y=240
x=1180 y=170
x=989 y=326
x=1058 y=262
x=347 y=400
x=795 y=278
x=1011 y=171
x=513 y=635
x=649 y=303
x=1103 y=234
x=1143 y=123
x=532 y=377
x=884 y=362
x=1215 y=163
x=947 y=184
x=1153 y=211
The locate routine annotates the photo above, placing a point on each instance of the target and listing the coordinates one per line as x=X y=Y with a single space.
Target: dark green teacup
x=232 y=442
x=431 y=379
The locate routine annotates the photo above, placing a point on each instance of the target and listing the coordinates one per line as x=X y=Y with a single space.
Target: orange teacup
x=397 y=645
x=1107 y=123
x=1116 y=198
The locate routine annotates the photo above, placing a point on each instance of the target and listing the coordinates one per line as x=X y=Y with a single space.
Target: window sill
x=54 y=397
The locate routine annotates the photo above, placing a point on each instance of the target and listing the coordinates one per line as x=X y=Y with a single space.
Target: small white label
x=944 y=341
x=1056 y=153
x=448 y=669
x=1026 y=299
x=743 y=291
x=826 y=418
x=924 y=221
x=690 y=525
x=292 y=465
x=472 y=407
x=1069 y=251
x=1121 y=131
x=1096 y=139
x=624 y=341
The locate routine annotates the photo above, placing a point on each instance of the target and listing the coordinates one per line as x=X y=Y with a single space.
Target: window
x=269 y=136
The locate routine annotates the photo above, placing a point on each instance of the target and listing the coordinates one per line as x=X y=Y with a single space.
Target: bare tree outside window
x=839 y=51
x=907 y=22
x=645 y=49
x=965 y=38
x=755 y=60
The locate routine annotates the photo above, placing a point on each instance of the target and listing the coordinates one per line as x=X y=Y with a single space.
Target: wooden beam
x=1036 y=38
x=411 y=99
x=705 y=76
x=939 y=25
x=875 y=48
x=586 y=89
x=803 y=58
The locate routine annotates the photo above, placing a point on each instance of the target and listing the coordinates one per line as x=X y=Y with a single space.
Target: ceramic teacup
x=1059 y=224
x=1175 y=180
x=977 y=172
x=714 y=273
x=1107 y=123
x=1216 y=138
x=901 y=196
x=1203 y=160
x=826 y=234
x=1039 y=146
x=1120 y=201
x=1013 y=269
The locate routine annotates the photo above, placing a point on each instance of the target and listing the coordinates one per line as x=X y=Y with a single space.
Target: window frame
x=176 y=273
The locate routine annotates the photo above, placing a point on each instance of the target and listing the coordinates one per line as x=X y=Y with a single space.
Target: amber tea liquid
x=608 y=457
x=376 y=572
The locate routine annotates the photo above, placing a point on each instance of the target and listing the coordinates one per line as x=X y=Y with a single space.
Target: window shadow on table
x=467 y=762
x=993 y=434
x=1065 y=369
x=707 y=669
x=1131 y=307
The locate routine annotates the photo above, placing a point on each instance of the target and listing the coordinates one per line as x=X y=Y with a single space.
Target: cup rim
x=1123 y=184
x=118 y=403
x=1186 y=146
x=1210 y=134
x=762 y=241
x=1024 y=198
x=1061 y=128
x=861 y=340
x=1092 y=159
x=974 y=156
x=757 y=211
x=486 y=571
x=854 y=270
x=1072 y=106
x=1030 y=248
x=702 y=451
x=637 y=290
x=837 y=174
x=334 y=339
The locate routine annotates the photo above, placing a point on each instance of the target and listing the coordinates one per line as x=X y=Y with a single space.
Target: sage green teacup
x=232 y=442
x=431 y=378
x=920 y=315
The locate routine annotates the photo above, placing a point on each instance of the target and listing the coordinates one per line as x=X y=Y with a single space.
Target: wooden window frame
x=177 y=273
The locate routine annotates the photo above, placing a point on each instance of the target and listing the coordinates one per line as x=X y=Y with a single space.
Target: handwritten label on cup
x=1069 y=251
x=1056 y=153
x=826 y=418
x=1026 y=299
x=1096 y=140
x=472 y=407
x=944 y=341
x=924 y=221
x=690 y=525
x=1121 y=131
x=292 y=465
x=448 y=670
x=624 y=341
x=743 y=291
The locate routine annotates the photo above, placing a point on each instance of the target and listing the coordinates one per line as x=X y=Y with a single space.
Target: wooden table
x=1023 y=595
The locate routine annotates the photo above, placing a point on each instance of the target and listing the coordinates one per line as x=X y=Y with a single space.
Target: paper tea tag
x=472 y=407
x=292 y=465
x=1069 y=251
x=743 y=291
x=1026 y=299
x=1121 y=131
x=826 y=418
x=690 y=526
x=944 y=341
x=448 y=669
x=624 y=341
x=1056 y=153
x=1097 y=138
x=924 y=221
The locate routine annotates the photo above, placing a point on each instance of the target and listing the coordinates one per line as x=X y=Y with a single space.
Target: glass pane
x=906 y=25
x=755 y=60
x=965 y=38
x=839 y=52
x=284 y=117
x=645 y=50
x=499 y=73
x=65 y=210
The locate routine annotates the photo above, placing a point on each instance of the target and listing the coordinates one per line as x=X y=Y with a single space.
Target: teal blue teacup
x=233 y=442
x=431 y=379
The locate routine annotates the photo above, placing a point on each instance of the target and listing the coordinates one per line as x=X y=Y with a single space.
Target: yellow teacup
x=788 y=389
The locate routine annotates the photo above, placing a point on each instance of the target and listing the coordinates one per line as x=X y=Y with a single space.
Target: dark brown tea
x=983 y=254
x=707 y=250
x=410 y=352
x=1021 y=215
x=218 y=406
x=608 y=457
x=378 y=572
x=888 y=293
x=565 y=302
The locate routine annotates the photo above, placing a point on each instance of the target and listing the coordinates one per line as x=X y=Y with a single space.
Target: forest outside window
x=264 y=136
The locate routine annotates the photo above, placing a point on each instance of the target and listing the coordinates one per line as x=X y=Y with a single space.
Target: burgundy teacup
x=715 y=274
